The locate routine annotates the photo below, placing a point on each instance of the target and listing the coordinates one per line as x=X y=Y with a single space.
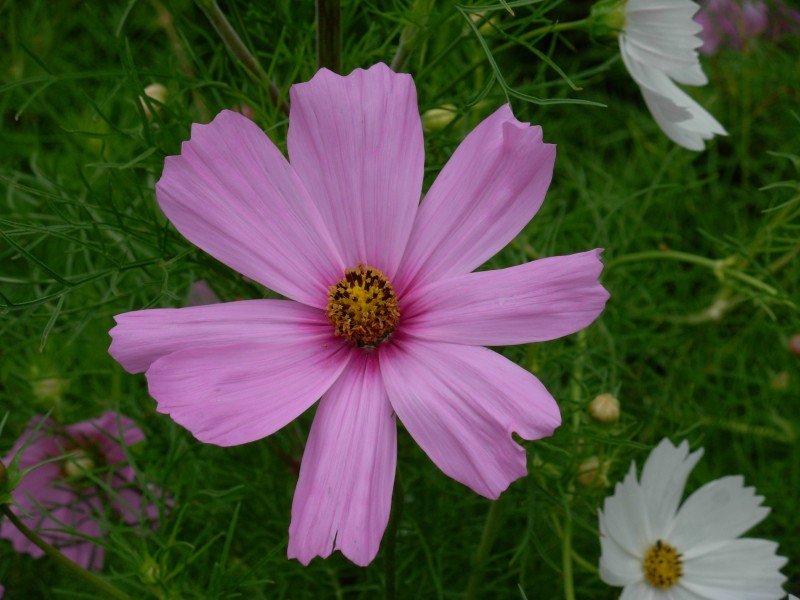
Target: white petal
x=663 y=479
x=617 y=567
x=744 y=569
x=679 y=592
x=639 y=591
x=692 y=75
x=625 y=516
x=719 y=511
x=653 y=64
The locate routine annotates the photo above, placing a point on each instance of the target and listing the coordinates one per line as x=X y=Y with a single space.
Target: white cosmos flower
x=658 y=43
x=658 y=551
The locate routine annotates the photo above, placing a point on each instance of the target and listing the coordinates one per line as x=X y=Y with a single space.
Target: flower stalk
x=484 y=549
x=239 y=50
x=566 y=556
x=721 y=268
x=390 y=563
x=108 y=589
x=329 y=35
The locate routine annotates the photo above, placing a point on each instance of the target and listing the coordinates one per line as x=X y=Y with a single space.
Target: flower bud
x=157 y=92
x=779 y=381
x=604 y=409
x=77 y=463
x=436 y=119
x=607 y=18
x=244 y=109
x=149 y=571
x=592 y=473
x=794 y=345
x=9 y=480
x=487 y=25
x=49 y=390
x=200 y=294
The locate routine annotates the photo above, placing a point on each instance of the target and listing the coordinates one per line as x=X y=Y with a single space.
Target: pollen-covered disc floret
x=662 y=565
x=362 y=306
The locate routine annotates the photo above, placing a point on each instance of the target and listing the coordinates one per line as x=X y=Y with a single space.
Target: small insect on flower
x=650 y=545
x=384 y=317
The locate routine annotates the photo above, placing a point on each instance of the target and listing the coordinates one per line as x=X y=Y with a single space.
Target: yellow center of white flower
x=362 y=306
x=662 y=565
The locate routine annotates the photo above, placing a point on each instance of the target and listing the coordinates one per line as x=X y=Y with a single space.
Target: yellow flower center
x=662 y=565
x=362 y=306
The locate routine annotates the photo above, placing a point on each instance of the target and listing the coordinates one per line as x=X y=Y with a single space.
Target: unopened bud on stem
x=604 y=409
x=156 y=92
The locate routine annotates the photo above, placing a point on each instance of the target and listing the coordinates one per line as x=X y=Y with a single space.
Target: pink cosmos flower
x=731 y=23
x=59 y=497
x=384 y=316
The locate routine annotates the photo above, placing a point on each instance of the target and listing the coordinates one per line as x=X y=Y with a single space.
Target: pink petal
x=487 y=192
x=108 y=432
x=142 y=337
x=229 y=395
x=461 y=404
x=133 y=506
x=40 y=447
x=36 y=491
x=356 y=142
x=541 y=300
x=344 y=494
x=55 y=513
x=80 y=518
x=232 y=193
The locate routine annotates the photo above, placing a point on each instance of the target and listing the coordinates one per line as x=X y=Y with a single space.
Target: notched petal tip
x=221 y=126
x=324 y=75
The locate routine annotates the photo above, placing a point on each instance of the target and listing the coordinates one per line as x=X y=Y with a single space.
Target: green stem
x=109 y=590
x=239 y=50
x=721 y=268
x=329 y=35
x=408 y=34
x=543 y=30
x=714 y=265
x=390 y=566
x=585 y=564
x=553 y=28
x=484 y=549
x=577 y=396
x=566 y=557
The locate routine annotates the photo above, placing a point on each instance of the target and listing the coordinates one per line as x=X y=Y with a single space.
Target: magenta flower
x=385 y=317
x=730 y=23
x=59 y=499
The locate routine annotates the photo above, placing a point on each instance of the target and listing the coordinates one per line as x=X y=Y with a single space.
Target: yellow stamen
x=362 y=306
x=662 y=565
